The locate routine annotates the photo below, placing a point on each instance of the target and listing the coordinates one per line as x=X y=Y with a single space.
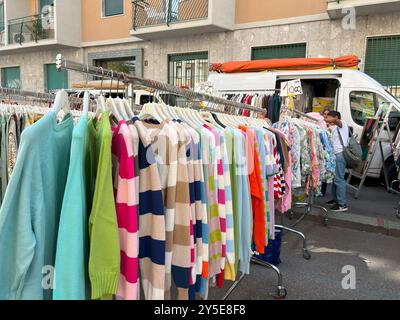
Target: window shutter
x=296 y=50
x=188 y=56
x=382 y=60
x=11 y=78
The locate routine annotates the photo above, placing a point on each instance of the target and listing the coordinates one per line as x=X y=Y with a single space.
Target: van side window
x=146 y=99
x=362 y=105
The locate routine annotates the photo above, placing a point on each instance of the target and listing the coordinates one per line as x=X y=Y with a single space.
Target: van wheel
x=391 y=170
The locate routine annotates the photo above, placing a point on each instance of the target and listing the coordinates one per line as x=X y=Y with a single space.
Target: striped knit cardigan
x=126 y=204
x=170 y=156
x=151 y=219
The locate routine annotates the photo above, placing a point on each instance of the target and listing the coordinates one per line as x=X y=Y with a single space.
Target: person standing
x=324 y=113
x=340 y=140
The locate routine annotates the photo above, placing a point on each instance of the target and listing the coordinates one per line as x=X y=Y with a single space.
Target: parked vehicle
x=353 y=93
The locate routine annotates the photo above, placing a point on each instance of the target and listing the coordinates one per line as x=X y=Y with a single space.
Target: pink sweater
x=126 y=202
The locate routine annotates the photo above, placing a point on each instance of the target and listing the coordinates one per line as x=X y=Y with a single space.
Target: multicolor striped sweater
x=169 y=148
x=126 y=202
x=151 y=219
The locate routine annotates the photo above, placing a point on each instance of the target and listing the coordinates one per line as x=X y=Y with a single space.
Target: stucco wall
x=324 y=38
x=98 y=28
x=261 y=10
x=32 y=66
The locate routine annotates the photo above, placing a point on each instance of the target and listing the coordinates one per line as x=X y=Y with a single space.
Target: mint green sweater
x=71 y=278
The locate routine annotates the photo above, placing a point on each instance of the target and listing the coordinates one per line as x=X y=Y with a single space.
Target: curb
x=360 y=223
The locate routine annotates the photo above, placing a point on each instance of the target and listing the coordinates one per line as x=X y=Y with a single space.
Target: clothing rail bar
x=40 y=95
x=250 y=90
x=305 y=115
x=61 y=63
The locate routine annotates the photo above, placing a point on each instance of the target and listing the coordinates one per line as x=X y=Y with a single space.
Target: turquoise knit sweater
x=29 y=216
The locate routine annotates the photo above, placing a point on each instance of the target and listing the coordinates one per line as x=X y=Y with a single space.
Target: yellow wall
x=33 y=6
x=97 y=28
x=262 y=10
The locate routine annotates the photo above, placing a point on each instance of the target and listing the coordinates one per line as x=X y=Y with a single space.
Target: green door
x=382 y=60
x=295 y=50
x=11 y=78
x=56 y=79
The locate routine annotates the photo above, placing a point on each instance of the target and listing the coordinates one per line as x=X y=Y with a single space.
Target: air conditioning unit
x=18 y=37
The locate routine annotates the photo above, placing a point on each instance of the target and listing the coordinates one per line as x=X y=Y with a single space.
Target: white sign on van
x=291 y=88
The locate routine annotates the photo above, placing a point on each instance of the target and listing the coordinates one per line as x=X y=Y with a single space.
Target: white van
x=355 y=94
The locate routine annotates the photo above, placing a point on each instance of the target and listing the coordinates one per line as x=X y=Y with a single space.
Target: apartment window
x=187 y=69
x=294 y=50
x=113 y=7
x=55 y=79
x=125 y=64
x=11 y=77
x=43 y=3
x=382 y=60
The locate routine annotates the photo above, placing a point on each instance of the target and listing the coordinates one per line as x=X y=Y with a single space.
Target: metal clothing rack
x=22 y=95
x=190 y=95
x=25 y=94
x=281 y=291
x=61 y=63
x=248 y=91
x=310 y=204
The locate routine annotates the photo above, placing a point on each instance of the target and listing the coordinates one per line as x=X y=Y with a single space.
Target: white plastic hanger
x=128 y=108
x=111 y=106
x=61 y=102
x=86 y=103
x=149 y=111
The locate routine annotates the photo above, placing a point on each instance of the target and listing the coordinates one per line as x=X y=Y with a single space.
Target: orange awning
x=350 y=61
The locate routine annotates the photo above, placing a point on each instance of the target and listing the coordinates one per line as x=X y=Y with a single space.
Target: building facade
x=175 y=40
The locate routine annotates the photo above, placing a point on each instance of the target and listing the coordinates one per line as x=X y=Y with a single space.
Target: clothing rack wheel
x=306 y=253
x=280 y=292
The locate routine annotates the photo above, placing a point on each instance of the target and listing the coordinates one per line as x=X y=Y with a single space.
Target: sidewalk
x=375 y=257
x=374 y=211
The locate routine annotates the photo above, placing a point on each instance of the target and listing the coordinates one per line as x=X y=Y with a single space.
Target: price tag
x=291 y=88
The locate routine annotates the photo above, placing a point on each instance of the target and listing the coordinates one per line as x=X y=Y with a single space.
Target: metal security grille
x=382 y=61
x=295 y=50
x=187 y=70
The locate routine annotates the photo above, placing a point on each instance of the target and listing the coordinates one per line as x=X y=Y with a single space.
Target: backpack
x=352 y=153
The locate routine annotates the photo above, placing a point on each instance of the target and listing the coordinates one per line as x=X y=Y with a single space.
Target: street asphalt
x=375 y=257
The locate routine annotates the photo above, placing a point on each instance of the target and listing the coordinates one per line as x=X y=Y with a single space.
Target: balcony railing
x=165 y=12
x=31 y=28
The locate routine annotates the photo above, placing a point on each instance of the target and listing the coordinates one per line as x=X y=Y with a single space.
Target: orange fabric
x=286 y=64
x=256 y=190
